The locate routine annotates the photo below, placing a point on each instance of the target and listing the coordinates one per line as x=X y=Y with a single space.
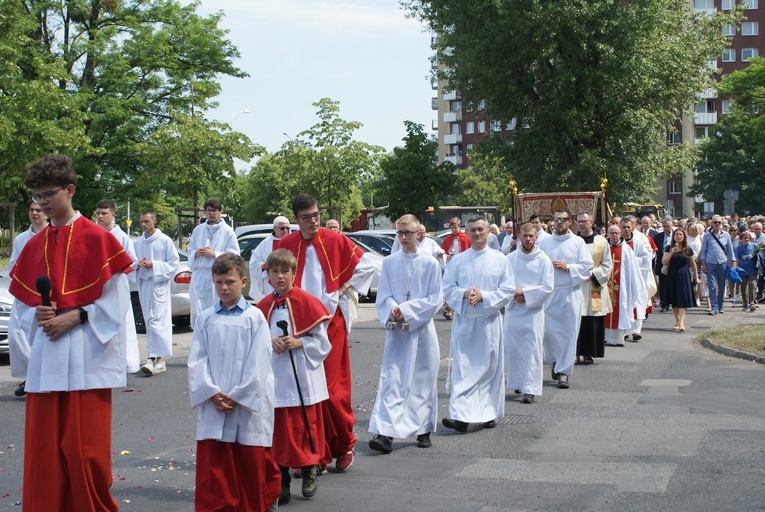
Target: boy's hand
x=223 y=402
x=284 y=343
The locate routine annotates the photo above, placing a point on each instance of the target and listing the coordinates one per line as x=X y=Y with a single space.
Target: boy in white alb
x=232 y=386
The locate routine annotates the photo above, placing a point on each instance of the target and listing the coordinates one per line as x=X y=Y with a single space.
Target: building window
x=455 y=150
x=469 y=106
x=702 y=5
x=481 y=126
x=674 y=187
x=469 y=127
x=674 y=138
x=702 y=132
x=729 y=55
x=482 y=105
x=469 y=149
x=496 y=126
x=727 y=105
x=705 y=107
x=455 y=106
x=750 y=28
x=752 y=4
x=727 y=5
x=455 y=128
x=748 y=53
x=729 y=30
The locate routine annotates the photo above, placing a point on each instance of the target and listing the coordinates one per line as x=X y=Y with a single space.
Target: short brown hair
x=227 y=262
x=281 y=258
x=52 y=169
x=107 y=204
x=456 y=221
x=528 y=226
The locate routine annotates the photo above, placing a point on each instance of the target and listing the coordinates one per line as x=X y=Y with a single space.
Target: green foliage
x=115 y=84
x=734 y=157
x=411 y=179
x=324 y=161
x=593 y=85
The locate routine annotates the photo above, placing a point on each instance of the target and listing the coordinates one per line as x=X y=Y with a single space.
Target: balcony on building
x=705 y=118
x=452 y=95
x=455 y=159
x=453 y=117
x=453 y=138
x=434 y=124
x=434 y=103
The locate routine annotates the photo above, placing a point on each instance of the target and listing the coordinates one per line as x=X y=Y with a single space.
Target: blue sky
x=363 y=53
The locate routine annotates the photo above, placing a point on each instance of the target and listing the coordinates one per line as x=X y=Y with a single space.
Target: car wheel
x=140 y=325
x=182 y=321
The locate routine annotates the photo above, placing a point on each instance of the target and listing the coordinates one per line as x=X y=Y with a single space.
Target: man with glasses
x=208 y=241
x=69 y=344
x=328 y=265
x=259 y=285
x=408 y=297
x=477 y=283
x=573 y=264
x=662 y=240
x=39 y=221
x=716 y=252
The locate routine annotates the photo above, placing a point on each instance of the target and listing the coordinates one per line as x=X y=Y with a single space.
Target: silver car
x=6 y=302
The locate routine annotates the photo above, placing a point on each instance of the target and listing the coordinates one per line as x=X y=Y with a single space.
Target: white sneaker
x=148 y=368
x=159 y=366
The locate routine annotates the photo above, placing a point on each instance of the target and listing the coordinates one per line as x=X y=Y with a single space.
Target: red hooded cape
x=305 y=310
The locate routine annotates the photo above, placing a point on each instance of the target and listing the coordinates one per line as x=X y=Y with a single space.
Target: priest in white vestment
x=524 y=325
x=156 y=266
x=477 y=283
x=626 y=289
x=106 y=211
x=572 y=262
x=644 y=257
x=408 y=296
x=259 y=285
x=208 y=241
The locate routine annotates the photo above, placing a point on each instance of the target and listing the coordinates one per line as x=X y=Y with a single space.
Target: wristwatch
x=83 y=315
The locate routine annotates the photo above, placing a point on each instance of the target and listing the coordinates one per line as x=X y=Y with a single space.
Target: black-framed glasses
x=47 y=195
x=406 y=233
x=310 y=216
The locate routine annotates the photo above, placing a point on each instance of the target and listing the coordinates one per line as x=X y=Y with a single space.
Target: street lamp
x=231 y=123
x=287 y=135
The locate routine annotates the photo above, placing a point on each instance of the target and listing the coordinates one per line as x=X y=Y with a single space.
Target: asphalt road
x=662 y=424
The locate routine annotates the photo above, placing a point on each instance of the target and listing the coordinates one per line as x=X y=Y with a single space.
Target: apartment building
x=460 y=123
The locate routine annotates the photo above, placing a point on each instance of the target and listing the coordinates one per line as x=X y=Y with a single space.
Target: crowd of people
x=272 y=382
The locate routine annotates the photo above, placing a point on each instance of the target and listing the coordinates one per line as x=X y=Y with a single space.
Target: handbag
x=733 y=275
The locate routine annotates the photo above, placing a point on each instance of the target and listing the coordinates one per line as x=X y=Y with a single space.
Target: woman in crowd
x=682 y=268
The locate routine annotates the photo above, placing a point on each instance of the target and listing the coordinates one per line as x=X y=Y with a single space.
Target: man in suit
x=662 y=239
x=646 y=227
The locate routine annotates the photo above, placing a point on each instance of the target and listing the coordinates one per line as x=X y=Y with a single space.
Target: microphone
x=43 y=288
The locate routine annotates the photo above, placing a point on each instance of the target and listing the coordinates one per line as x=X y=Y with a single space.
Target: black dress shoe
x=459 y=426
x=382 y=444
x=517 y=391
x=20 y=392
x=284 y=495
x=528 y=398
x=555 y=376
x=490 y=424
x=423 y=440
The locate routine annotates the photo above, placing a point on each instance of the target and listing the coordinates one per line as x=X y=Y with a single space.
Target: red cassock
x=291 y=447
x=67 y=447
x=338 y=257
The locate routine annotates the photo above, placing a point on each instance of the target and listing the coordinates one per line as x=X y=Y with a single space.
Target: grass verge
x=746 y=338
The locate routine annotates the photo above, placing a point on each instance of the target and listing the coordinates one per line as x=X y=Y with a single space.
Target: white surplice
x=477 y=347
x=222 y=239
x=308 y=365
x=18 y=244
x=644 y=258
x=631 y=293
x=563 y=310
x=132 y=355
x=88 y=356
x=154 y=290
x=259 y=285
x=407 y=396
x=233 y=354
x=601 y=272
x=525 y=323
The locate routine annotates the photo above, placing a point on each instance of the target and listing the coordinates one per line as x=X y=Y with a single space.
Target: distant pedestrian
x=259 y=285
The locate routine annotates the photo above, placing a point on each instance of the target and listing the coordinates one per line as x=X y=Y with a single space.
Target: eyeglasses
x=283 y=228
x=310 y=217
x=210 y=212
x=716 y=222
x=560 y=219
x=47 y=195
x=406 y=233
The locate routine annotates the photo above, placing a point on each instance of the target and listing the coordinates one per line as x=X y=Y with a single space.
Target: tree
x=593 y=85
x=104 y=77
x=734 y=157
x=411 y=179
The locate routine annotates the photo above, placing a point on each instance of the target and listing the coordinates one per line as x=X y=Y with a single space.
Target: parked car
x=380 y=241
x=376 y=260
x=247 y=244
x=179 y=296
x=252 y=229
x=6 y=302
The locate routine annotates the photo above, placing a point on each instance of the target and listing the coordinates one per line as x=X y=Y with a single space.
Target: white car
x=252 y=229
x=6 y=302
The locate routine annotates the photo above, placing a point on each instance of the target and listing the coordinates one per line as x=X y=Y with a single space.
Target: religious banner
x=544 y=204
